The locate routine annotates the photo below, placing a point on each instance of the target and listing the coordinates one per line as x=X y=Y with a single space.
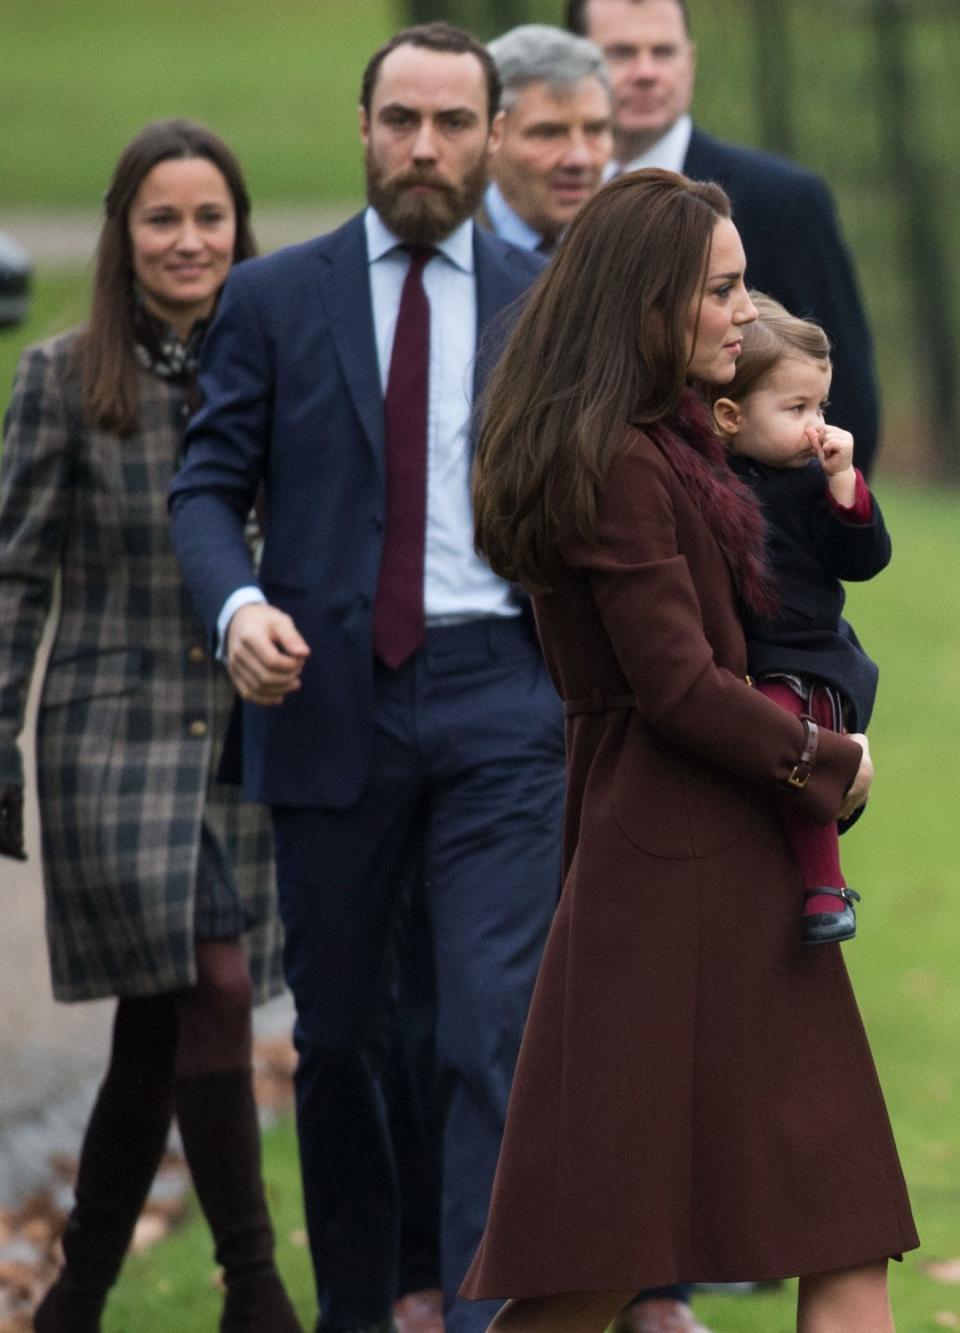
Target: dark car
x=15 y=272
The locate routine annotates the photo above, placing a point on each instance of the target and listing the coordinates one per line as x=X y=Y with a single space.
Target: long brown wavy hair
x=105 y=349
x=601 y=342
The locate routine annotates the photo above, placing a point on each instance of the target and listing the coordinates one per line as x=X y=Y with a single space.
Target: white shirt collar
x=457 y=247
x=507 y=223
x=669 y=152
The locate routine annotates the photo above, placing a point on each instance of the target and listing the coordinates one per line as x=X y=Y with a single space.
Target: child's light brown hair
x=773 y=335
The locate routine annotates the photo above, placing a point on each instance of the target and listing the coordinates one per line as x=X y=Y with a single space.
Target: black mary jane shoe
x=831 y=927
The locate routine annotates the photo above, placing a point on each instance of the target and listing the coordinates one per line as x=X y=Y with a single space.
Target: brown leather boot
x=217 y=1116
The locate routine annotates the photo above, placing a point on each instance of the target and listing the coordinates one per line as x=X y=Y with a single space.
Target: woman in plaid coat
x=158 y=880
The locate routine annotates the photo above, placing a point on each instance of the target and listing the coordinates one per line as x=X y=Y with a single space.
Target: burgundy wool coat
x=695 y=1098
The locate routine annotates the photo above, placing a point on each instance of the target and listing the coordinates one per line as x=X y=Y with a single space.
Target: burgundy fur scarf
x=728 y=506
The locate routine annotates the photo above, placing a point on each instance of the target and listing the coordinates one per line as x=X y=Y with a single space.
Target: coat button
x=198 y=727
x=197 y=654
x=363 y=601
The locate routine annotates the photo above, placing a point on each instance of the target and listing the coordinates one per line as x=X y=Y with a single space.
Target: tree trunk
x=419 y=11
x=774 y=72
x=922 y=241
x=484 y=18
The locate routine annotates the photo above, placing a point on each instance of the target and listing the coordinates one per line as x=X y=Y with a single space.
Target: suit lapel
x=495 y=291
x=345 y=281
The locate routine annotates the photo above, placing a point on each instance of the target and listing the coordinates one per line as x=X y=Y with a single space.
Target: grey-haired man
x=557 y=134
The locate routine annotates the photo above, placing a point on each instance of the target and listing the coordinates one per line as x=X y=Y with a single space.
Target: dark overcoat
x=132 y=709
x=695 y=1097
x=810 y=548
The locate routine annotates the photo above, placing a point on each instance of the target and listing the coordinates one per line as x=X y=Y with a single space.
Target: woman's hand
x=859 y=788
x=11 y=821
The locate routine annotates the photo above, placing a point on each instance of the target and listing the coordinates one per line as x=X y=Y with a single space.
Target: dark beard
x=424 y=219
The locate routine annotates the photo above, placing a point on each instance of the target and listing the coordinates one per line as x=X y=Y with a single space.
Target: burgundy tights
x=816 y=846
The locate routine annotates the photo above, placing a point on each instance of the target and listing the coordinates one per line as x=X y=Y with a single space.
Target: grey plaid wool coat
x=132 y=710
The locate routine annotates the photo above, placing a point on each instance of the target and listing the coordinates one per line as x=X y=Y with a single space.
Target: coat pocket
x=669 y=804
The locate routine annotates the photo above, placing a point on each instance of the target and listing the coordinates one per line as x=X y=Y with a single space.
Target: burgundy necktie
x=399 y=628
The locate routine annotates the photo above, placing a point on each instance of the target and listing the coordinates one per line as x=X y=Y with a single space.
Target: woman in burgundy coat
x=695 y=1098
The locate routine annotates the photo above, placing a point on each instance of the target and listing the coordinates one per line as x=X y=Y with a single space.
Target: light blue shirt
x=509 y=225
x=458 y=585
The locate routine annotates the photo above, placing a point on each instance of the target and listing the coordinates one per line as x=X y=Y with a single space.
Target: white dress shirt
x=458 y=585
x=669 y=152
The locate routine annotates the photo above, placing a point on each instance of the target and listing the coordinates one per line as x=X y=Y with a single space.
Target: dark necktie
x=399 y=628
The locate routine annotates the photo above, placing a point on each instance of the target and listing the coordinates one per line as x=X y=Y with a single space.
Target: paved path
x=69 y=236
x=49 y=1054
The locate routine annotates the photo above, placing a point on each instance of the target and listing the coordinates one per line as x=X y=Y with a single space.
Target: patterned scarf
x=158 y=347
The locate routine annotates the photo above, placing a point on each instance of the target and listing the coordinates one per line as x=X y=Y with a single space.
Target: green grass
x=58 y=301
x=279 y=82
x=904 y=856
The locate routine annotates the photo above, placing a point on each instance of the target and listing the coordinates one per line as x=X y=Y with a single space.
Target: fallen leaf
x=921 y=983
x=149 y=1229
x=943 y=1270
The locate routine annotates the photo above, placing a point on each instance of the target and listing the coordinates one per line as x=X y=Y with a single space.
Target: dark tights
x=203 y=1030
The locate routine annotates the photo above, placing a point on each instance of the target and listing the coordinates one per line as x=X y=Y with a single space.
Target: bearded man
x=397 y=716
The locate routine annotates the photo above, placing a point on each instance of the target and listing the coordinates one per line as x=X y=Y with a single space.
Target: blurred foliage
x=280 y=83
x=863 y=92
x=58 y=300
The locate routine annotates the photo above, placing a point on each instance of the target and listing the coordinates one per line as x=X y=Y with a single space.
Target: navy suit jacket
x=795 y=253
x=292 y=401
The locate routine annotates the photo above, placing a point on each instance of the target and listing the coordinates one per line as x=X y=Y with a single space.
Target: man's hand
x=265 y=654
x=11 y=821
x=860 y=787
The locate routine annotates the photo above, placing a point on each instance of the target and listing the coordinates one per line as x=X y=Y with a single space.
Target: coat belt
x=599 y=702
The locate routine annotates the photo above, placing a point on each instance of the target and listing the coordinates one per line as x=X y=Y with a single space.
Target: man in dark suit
x=398 y=718
x=785 y=215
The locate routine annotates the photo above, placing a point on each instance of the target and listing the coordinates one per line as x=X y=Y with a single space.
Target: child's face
x=777 y=418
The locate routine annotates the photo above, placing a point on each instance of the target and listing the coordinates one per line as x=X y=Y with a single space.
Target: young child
x=823 y=526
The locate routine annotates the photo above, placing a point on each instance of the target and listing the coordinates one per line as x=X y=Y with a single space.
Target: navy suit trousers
x=464 y=800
